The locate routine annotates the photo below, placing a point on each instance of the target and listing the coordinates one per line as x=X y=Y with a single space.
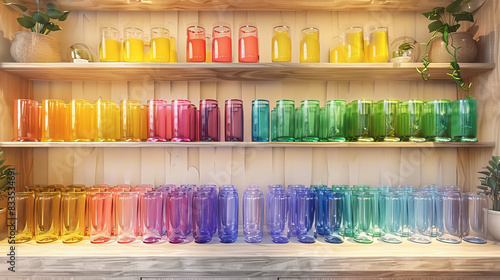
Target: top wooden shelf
x=238 y=5
x=121 y=71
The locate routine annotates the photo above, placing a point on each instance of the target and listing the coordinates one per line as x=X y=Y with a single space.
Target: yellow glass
x=173 y=49
x=378 y=46
x=77 y=187
x=134 y=45
x=337 y=50
x=80 y=121
x=72 y=217
x=24 y=216
x=144 y=123
x=130 y=120
x=281 y=44
x=53 y=120
x=47 y=222
x=109 y=48
x=160 y=45
x=353 y=40
x=309 y=45
x=106 y=116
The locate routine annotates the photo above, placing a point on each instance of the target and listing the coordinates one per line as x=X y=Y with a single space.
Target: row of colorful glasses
x=174 y=213
x=351 y=48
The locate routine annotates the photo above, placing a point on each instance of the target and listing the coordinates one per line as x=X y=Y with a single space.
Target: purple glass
x=189 y=189
x=215 y=200
x=165 y=189
x=253 y=214
x=234 y=120
x=277 y=206
x=203 y=219
x=151 y=216
x=209 y=120
x=228 y=214
x=181 y=117
x=293 y=220
x=178 y=222
x=157 y=120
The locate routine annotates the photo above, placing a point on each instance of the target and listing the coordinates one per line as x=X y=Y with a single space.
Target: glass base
x=105 y=140
x=231 y=140
x=422 y=239
x=337 y=239
x=55 y=140
x=391 y=238
x=100 y=239
x=202 y=239
x=208 y=139
x=285 y=139
x=156 y=140
x=475 y=240
x=253 y=239
x=449 y=239
x=176 y=239
x=348 y=232
x=20 y=240
x=306 y=239
x=131 y=140
x=388 y=139
x=126 y=240
x=47 y=239
x=363 y=239
x=438 y=139
x=280 y=239
x=337 y=139
x=227 y=239
x=464 y=139
x=72 y=239
x=260 y=139
x=181 y=140
x=81 y=140
x=310 y=139
x=24 y=139
x=362 y=139
x=151 y=239
x=412 y=139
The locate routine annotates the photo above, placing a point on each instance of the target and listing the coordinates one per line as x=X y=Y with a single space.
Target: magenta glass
x=140 y=189
x=193 y=125
x=165 y=189
x=100 y=217
x=204 y=223
x=181 y=118
x=189 y=189
x=158 y=117
x=234 y=120
x=178 y=222
x=26 y=120
x=126 y=216
x=209 y=121
x=151 y=215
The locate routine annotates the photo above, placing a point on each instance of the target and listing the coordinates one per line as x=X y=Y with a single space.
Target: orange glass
x=53 y=120
x=26 y=120
x=80 y=121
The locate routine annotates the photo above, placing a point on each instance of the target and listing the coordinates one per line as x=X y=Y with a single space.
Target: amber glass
x=47 y=224
x=130 y=120
x=80 y=121
x=72 y=217
x=24 y=216
x=26 y=121
x=106 y=124
x=53 y=118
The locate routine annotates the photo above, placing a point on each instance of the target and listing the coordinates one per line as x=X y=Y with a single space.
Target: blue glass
x=448 y=212
x=260 y=120
x=277 y=206
x=405 y=190
x=320 y=212
x=292 y=222
x=391 y=218
x=306 y=208
x=474 y=211
x=253 y=214
x=347 y=209
x=383 y=189
x=203 y=219
x=228 y=214
x=433 y=190
x=214 y=197
x=333 y=217
x=420 y=217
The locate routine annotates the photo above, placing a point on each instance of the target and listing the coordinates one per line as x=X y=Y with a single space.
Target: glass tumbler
x=248 y=44
x=281 y=48
x=464 y=120
x=209 y=121
x=204 y=221
x=100 y=217
x=320 y=191
x=234 y=120
x=107 y=119
x=385 y=120
x=26 y=120
x=260 y=120
x=361 y=120
x=420 y=217
x=285 y=122
x=335 y=120
x=354 y=45
x=110 y=46
x=378 y=45
x=130 y=117
x=228 y=214
x=448 y=214
x=214 y=194
x=221 y=44
x=160 y=45
x=80 y=121
x=151 y=215
x=292 y=222
x=437 y=120
x=133 y=50
x=333 y=222
x=24 y=215
x=410 y=120
x=253 y=215
x=178 y=223
x=474 y=211
x=182 y=120
x=309 y=45
x=391 y=214
x=310 y=120
x=196 y=44
x=306 y=206
x=126 y=209
x=72 y=217
x=338 y=50
x=277 y=214
x=363 y=216
x=47 y=217
x=159 y=117
x=53 y=120
x=347 y=209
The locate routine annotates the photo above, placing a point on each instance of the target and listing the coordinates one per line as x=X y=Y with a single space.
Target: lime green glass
x=410 y=120
x=464 y=120
x=298 y=125
x=310 y=120
x=363 y=206
x=285 y=123
x=334 y=123
x=385 y=120
x=361 y=120
x=437 y=120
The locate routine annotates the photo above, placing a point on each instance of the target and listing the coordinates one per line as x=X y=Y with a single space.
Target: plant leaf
x=454 y=28
x=492 y=183
x=41 y=17
x=55 y=14
x=64 y=16
x=26 y=22
x=435 y=25
x=20 y=7
x=482 y=188
x=492 y=164
x=454 y=7
x=54 y=27
x=2 y=161
x=495 y=158
x=490 y=169
x=463 y=16
x=51 y=6
x=484 y=173
x=432 y=15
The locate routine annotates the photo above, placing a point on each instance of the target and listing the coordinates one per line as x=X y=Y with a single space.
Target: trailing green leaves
x=39 y=21
x=490 y=182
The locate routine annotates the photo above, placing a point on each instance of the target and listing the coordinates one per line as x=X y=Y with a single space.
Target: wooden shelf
x=255 y=5
x=121 y=71
x=243 y=145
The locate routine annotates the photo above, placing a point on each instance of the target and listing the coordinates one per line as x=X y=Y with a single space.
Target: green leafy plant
x=445 y=21
x=38 y=21
x=490 y=182
x=401 y=49
x=4 y=176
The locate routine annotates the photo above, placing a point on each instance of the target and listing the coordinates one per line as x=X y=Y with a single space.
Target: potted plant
x=35 y=45
x=4 y=185
x=446 y=43
x=490 y=185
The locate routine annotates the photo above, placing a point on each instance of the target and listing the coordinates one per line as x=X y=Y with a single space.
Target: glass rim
x=309 y=101
x=282 y=26
x=224 y=28
x=474 y=194
x=130 y=101
x=24 y=193
x=336 y=101
x=109 y=28
x=248 y=26
x=413 y=100
x=353 y=28
x=208 y=100
x=310 y=28
x=159 y=27
x=362 y=101
x=52 y=100
x=105 y=101
x=389 y=101
x=439 y=101
x=379 y=27
x=260 y=101
x=130 y=28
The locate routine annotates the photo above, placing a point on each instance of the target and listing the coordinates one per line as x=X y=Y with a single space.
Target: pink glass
x=125 y=187
x=158 y=117
x=101 y=188
x=178 y=226
x=196 y=44
x=165 y=189
x=114 y=195
x=234 y=120
x=151 y=215
x=209 y=120
x=26 y=120
x=100 y=217
x=88 y=192
x=181 y=116
x=126 y=216
x=221 y=44
x=194 y=134
x=248 y=44
x=141 y=189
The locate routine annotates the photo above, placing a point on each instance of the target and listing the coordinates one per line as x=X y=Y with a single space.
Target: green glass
x=360 y=188
x=437 y=120
x=363 y=205
x=334 y=125
x=298 y=125
x=385 y=120
x=361 y=120
x=285 y=123
x=323 y=131
x=274 y=125
x=464 y=120
x=310 y=120
x=340 y=187
x=410 y=120
x=260 y=120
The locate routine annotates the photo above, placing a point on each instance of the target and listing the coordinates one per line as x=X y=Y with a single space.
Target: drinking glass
x=100 y=217
x=333 y=217
x=26 y=120
x=160 y=45
x=203 y=215
x=143 y=126
x=347 y=203
x=260 y=120
x=274 y=125
x=385 y=120
x=378 y=45
x=133 y=50
x=281 y=44
x=448 y=213
x=47 y=217
x=310 y=120
x=361 y=120
x=299 y=129
x=209 y=120
x=309 y=45
x=320 y=191
x=53 y=119
x=474 y=211
x=159 y=117
x=130 y=117
x=80 y=119
x=107 y=119
x=183 y=121
x=178 y=225
x=24 y=215
x=221 y=44
x=213 y=192
x=109 y=48
x=285 y=122
x=196 y=44
x=335 y=120
x=151 y=215
x=126 y=209
x=363 y=216
x=173 y=49
x=72 y=217
x=410 y=120
x=420 y=217
x=338 y=50
x=248 y=44
x=253 y=215
x=464 y=120
x=234 y=120
x=437 y=120
x=354 y=45
x=228 y=214
x=292 y=222
x=391 y=214
x=277 y=214
x=306 y=207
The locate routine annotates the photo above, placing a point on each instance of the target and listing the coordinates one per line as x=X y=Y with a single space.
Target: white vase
x=494 y=224
x=467 y=51
x=35 y=47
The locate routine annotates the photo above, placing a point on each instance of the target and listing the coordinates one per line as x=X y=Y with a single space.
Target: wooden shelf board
x=120 y=71
x=243 y=145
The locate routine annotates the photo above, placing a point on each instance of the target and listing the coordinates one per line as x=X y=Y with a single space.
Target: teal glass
x=333 y=217
x=360 y=188
x=260 y=120
x=437 y=120
x=464 y=120
x=322 y=125
x=310 y=120
x=298 y=131
x=363 y=205
x=385 y=120
x=376 y=211
x=391 y=218
x=334 y=124
x=285 y=123
x=361 y=120
x=433 y=190
x=410 y=120
x=347 y=209
x=383 y=189
x=420 y=217
x=274 y=125
x=406 y=190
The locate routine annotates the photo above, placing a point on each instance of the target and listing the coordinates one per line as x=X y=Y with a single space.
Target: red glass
x=158 y=118
x=181 y=116
x=26 y=120
x=196 y=44
x=209 y=120
x=234 y=120
x=221 y=44
x=100 y=217
x=248 y=44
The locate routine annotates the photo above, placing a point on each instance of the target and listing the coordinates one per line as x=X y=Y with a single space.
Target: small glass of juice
x=196 y=44
x=160 y=45
x=281 y=44
x=337 y=50
x=248 y=44
x=378 y=45
x=309 y=45
x=134 y=45
x=109 y=49
x=354 y=44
